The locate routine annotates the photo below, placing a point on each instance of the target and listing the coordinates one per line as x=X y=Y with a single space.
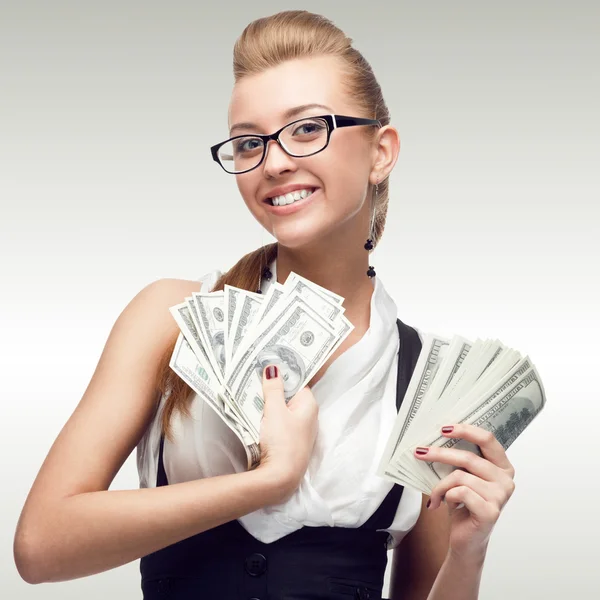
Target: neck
x=336 y=267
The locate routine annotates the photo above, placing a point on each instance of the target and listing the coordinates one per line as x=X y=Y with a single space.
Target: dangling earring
x=266 y=273
x=369 y=244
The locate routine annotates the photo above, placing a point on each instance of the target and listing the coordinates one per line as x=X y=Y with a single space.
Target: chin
x=296 y=240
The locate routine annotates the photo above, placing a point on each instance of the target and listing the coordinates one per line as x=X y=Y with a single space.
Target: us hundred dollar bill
x=298 y=340
x=185 y=363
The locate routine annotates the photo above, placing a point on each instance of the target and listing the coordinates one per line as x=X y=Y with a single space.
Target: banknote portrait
x=218 y=346
x=289 y=363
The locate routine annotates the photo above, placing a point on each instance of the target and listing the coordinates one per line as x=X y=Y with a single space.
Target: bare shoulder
x=116 y=407
x=141 y=335
x=147 y=316
x=164 y=293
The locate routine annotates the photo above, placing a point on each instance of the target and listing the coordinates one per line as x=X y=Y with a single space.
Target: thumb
x=273 y=389
x=303 y=402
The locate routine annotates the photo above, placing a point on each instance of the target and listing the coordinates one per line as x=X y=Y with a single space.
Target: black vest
x=228 y=563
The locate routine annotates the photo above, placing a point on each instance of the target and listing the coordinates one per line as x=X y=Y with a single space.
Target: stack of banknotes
x=457 y=381
x=228 y=337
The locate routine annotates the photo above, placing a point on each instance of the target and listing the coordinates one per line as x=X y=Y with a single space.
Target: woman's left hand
x=483 y=485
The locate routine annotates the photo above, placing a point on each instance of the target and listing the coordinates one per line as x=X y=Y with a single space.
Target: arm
x=424 y=567
x=71 y=525
x=459 y=578
x=474 y=496
x=419 y=557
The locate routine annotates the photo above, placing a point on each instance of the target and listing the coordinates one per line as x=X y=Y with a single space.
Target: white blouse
x=357 y=409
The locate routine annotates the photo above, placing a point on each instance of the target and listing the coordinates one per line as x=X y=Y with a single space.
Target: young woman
x=313 y=520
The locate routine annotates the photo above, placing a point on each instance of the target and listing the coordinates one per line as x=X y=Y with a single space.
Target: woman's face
x=341 y=171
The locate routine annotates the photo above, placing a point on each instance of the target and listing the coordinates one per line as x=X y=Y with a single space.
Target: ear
x=386 y=148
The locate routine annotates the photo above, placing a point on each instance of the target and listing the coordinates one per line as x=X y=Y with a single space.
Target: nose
x=277 y=160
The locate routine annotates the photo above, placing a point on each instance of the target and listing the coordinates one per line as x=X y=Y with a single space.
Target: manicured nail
x=421 y=450
x=447 y=429
x=429 y=503
x=271 y=372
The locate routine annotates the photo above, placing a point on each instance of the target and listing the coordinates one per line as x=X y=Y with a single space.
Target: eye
x=247 y=144
x=310 y=128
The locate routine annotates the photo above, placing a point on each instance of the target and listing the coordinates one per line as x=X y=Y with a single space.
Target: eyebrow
x=288 y=114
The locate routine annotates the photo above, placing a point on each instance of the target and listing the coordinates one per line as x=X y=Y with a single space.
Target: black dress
x=312 y=563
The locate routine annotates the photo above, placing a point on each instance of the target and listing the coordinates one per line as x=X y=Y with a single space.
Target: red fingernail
x=271 y=372
x=447 y=429
x=421 y=450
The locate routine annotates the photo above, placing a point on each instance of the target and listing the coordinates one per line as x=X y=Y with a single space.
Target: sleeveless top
x=226 y=562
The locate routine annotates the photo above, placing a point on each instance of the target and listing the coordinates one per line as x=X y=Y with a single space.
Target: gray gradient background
x=107 y=111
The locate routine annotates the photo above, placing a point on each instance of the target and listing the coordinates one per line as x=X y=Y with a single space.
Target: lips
x=287 y=189
x=288 y=209
x=311 y=190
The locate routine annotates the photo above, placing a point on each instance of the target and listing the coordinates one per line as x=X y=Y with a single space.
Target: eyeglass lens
x=300 y=138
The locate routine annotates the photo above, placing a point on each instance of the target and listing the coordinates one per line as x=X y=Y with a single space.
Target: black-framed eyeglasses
x=302 y=137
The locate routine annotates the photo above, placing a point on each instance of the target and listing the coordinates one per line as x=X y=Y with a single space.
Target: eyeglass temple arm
x=344 y=121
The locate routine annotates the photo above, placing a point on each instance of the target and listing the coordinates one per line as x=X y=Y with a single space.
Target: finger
x=272 y=389
x=484 y=512
x=303 y=402
x=464 y=459
x=490 y=447
x=485 y=489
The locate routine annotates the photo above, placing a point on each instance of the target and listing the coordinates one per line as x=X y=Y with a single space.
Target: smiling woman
x=334 y=152
x=312 y=520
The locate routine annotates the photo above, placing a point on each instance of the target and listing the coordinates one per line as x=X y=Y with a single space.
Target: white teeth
x=291 y=197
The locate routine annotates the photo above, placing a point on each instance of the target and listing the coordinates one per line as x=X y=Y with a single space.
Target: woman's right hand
x=287 y=433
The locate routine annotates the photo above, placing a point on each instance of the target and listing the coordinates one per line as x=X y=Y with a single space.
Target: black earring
x=369 y=243
x=267 y=275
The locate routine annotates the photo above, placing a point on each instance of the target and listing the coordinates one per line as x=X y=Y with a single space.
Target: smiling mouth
x=285 y=199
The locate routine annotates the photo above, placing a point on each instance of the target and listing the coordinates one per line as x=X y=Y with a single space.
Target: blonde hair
x=265 y=43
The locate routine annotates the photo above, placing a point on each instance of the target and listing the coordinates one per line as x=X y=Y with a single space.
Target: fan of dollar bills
x=457 y=381
x=228 y=337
